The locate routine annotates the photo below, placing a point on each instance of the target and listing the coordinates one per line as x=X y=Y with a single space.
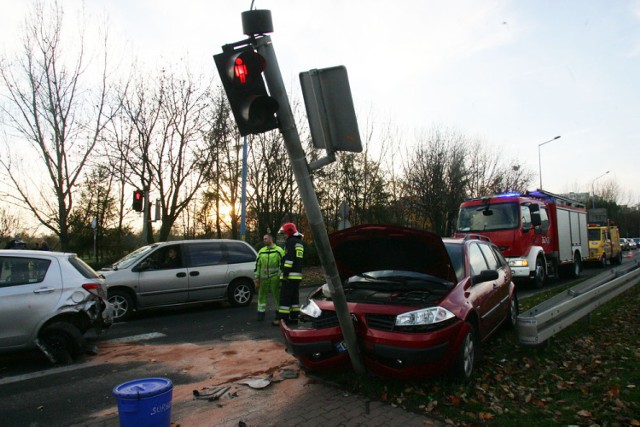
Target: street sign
x=330 y=110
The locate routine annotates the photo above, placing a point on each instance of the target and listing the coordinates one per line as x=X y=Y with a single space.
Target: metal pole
x=243 y=209
x=593 y=191
x=309 y=199
x=539 y=162
x=145 y=214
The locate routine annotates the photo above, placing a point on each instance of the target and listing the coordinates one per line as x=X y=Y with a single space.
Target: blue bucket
x=144 y=402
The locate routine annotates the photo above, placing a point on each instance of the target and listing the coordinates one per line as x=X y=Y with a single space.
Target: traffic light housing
x=138 y=199
x=241 y=74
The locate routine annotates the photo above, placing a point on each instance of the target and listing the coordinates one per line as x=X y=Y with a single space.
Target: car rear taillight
x=95 y=289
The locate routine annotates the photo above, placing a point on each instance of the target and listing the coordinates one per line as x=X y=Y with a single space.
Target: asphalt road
x=33 y=393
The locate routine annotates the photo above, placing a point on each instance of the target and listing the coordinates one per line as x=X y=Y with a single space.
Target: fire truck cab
x=541 y=234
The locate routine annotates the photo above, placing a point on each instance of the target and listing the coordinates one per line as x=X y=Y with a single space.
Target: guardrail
x=541 y=322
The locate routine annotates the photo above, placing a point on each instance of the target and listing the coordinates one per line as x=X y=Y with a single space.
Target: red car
x=421 y=304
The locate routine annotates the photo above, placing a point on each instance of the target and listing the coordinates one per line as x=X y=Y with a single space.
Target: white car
x=181 y=272
x=49 y=300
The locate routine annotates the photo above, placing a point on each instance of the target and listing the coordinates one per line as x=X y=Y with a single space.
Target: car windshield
x=501 y=216
x=133 y=257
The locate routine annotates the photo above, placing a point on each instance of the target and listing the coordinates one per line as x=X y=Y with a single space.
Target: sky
x=513 y=74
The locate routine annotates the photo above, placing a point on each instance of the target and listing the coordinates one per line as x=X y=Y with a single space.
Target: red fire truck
x=541 y=234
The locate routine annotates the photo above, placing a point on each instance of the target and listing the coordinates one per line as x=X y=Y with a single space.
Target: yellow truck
x=604 y=244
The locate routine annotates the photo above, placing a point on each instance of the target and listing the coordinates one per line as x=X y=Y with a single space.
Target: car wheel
x=603 y=261
x=617 y=260
x=540 y=274
x=240 y=293
x=63 y=341
x=122 y=304
x=467 y=352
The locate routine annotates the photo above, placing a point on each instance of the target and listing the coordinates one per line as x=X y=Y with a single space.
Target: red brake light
x=94 y=288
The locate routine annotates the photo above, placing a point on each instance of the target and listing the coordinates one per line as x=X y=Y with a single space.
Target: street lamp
x=593 y=191
x=539 y=162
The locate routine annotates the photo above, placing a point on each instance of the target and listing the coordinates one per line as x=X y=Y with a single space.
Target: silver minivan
x=188 y=271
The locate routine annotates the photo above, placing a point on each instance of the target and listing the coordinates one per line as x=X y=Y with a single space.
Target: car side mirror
x=485 y=276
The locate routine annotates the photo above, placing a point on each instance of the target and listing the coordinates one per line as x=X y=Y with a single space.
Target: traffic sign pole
x=309 y=198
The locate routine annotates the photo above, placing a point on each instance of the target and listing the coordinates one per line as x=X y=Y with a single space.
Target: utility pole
x=254 y=111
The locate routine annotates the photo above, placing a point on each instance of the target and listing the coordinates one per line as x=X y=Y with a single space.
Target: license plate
x=341 y=347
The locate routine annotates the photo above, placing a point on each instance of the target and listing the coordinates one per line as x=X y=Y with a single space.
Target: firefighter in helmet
x=291 y=275
x=267 y=274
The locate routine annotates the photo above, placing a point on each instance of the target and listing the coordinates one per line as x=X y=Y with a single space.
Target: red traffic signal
x=241 y=74
x=138 y=199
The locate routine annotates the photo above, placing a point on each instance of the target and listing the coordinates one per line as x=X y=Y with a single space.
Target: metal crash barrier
x=541 y=322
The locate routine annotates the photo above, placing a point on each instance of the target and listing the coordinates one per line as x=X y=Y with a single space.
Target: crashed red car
x=421 y=305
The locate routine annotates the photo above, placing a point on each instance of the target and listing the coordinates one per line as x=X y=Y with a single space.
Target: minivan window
x=201 y=254
x=133 y=257
x=240 y=252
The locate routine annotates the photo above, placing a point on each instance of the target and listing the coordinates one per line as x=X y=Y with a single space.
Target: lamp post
x=593 y=191
x=539 y=162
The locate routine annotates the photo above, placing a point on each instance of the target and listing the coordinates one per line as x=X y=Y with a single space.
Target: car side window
x=476 y=259
x=492 y=261
x=503 y=262
x=20 y=271
x=239 y=253
x=201 y=254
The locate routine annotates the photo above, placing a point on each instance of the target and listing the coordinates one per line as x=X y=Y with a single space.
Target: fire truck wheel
x=540 y=275
x=576 y=267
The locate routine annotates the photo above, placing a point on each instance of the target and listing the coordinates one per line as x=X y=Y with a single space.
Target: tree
x=274 y=192
x=49 y=103
x=435 y=179
x=164 y=142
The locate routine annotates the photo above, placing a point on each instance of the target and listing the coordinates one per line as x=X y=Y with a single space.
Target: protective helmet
x=288 y=228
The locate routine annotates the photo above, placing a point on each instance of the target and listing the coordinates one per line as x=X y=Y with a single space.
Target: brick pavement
x=299 y=402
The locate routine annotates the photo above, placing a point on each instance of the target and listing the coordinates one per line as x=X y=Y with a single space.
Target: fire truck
x=541 y=234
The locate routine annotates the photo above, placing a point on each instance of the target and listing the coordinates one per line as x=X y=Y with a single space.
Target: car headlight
x=426 y=316
x=518 y=263
x=311 y=309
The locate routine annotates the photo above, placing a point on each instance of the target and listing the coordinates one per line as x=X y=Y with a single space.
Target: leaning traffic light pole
x=255 y=113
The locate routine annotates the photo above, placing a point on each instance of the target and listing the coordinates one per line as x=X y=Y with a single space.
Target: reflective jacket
x=293 y=255
x=268 y=262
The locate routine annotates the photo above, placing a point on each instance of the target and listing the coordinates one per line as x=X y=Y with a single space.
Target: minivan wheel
x=466 y=357
x=122 y=304
x=63 y=341
x=240 y=293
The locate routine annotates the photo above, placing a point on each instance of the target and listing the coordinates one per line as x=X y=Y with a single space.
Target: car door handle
x=181 y=274
x=194 y=273
x=43 y=291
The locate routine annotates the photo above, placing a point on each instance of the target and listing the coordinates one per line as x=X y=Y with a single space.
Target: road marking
x=63 y=369
x=51 y=371
x=142 y=337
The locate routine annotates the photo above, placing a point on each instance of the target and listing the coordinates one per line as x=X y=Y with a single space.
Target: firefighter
x=291 y=275
x=267 y=274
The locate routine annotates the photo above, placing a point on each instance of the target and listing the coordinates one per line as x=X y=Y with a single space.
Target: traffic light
x=138 y=198
x=241 y=74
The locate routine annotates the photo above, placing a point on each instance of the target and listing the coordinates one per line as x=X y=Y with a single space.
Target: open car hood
x=367 y=248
